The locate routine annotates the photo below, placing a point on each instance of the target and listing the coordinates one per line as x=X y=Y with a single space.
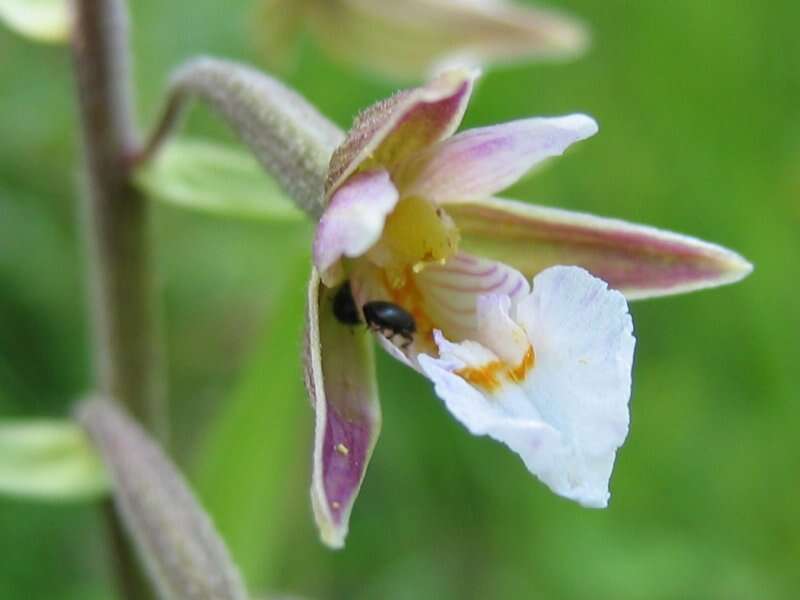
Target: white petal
x=498 y=331
x=353 y=221
x=570 y=414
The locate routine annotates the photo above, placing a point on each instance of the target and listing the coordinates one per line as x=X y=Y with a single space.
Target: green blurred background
x=699 y=112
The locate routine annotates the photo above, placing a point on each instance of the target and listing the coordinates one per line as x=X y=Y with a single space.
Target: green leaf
x=214 y=178
x=40 y=20
x=49 y=460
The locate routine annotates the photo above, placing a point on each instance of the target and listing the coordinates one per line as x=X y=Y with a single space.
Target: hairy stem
x=124 y=325
x=126 y=341
x=290 y=138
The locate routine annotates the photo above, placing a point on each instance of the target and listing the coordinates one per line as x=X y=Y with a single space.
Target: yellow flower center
x=416 y=233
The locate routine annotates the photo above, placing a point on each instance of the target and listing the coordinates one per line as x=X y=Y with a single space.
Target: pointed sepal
x=638 y=260
x=340 y=377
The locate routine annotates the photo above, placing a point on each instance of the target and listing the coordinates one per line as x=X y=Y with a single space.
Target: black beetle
x=344 y=306
x=384 y=317
x=390 y=320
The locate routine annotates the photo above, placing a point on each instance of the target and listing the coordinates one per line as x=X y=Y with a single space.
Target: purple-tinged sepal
x=394 y=129
x=640 y=261
x=478 y=163
x=340 y=377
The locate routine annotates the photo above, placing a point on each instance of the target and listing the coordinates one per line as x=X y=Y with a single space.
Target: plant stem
x=291 y=139
x=130 y=579
x=125 y=340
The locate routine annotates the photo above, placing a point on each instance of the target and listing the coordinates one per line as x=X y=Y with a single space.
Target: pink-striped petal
x=478 y=163
x=639 y=261
x=340 y=378
x=450 y=292
x=443 y=297
x=353 y=221
x=395 y=128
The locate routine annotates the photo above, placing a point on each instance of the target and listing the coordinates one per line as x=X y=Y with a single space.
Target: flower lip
x=438 y=297
x=569 y=415
x=490 y=376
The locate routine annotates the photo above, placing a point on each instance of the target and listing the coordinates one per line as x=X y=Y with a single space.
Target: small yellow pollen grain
x=342 y=449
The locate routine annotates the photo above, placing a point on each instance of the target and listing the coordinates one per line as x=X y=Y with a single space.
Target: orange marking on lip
x=518 y=373
x=486 y=376
x=489 y=376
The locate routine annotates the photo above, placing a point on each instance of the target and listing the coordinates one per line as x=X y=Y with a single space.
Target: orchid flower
x=409 y=39
x=544 y=367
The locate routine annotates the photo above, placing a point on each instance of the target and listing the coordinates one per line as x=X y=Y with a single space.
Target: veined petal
x=640 y=261
x=478 y=163
x=440 y=297
x=409 y=39
x=450 y=292
x=393 y=129
x=340 y=377
x=353 y=221
x=567 y=415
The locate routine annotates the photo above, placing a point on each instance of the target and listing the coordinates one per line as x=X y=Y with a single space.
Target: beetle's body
x=344 y=306
x=386 y=318
x=390 y=320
